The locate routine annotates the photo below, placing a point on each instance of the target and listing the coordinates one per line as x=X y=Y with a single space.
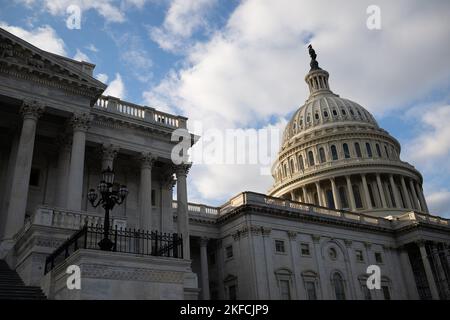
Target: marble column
x=324 y=292
x=80 y=124
x=428 y=271
x=305 y=195
x=336 y=198
x=381 y=192
x=167 y=184
x=405 y=193
x=395 y=192
x=109 y=153
x=423 y=203
x=366 y=192
x=145 y=191
x=204 y=267
x=407 y=273
x=31 y=111
x=351 y=196
x=293 y=196
x=65 y=145
x=414 y=195
x=182 y=207
x=319 y=194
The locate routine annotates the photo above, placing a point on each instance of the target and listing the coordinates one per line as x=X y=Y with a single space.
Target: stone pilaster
x=64 y=143
x=204 y=267
x=182 y=171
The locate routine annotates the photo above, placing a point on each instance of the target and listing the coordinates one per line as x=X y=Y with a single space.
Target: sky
x=229 y=64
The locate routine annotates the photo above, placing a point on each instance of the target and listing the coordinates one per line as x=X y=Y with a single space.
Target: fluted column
x=428 y=271
x=182 y=207
x=337 y=200
x=109 y=153
x=405 y=193
x=31 y=111
x=293 y=196
x=145 y=191
x=80 y=124
x=319 y=194
x=423 y=203
x=65 y=145
x=381 y=192
x=204 y=267
x=351 y=196
x=395 y=192
x=366 y=192
x=414 y=195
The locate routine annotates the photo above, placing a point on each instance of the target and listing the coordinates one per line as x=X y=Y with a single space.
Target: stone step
x=12 y=286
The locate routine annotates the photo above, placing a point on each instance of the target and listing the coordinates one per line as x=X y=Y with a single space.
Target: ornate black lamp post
x=110 y=194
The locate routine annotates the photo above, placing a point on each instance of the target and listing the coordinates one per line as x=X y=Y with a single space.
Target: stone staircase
x=13 y=288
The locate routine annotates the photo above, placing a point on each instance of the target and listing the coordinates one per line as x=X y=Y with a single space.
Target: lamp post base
x=105 y=244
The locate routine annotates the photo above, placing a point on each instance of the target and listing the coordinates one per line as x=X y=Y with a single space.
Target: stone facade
x=313 y=237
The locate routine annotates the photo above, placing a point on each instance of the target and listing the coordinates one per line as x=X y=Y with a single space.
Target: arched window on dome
x=308 y=118
x=357 y=196
x=338 y=284
x=369 y=150
x=311 y=158
x=291 y=165
x=352 y=112
x=301 y=121
x=334 y=112
x=334 y=154
x=359 y=113
x=387 y=152
x=301 y=165
x=322 y=155
x=325 y=114
x=343 y=197
x=377 y=146
x=346 y=151
x=316 y=116
x=285 y=172
x=343 y=112
x=358 y=150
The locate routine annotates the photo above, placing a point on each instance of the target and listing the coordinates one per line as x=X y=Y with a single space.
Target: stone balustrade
x=198 y=209
x=62 y=218
x=131 y=110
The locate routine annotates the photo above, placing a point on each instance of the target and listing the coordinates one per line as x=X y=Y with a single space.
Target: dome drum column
x=395 y=192
x=406 y=194
x=423 y=204
x=319 y=194
x=351 y=196
x=414 y=195
x=366 y=192
x=337 y=200
x=381 y=192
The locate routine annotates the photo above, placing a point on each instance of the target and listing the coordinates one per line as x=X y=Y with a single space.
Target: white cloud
x=116 y=88
x=81 y=56
x=254 y=68
x=439 y=203
x=92 y=48
x=183 y=18
x=44 y=37
x=106 y=8
x=103 y=77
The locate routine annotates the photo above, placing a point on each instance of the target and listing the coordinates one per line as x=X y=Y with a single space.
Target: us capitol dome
x=334 y=154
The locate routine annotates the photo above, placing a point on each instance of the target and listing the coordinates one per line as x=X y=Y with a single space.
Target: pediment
x=21 y=59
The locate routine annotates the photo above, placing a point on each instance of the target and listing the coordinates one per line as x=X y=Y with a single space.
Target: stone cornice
x=22 y=60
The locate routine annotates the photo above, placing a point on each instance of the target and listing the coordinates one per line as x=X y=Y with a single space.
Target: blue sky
x=241 y=64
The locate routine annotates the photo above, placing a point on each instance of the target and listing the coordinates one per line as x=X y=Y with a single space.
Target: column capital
x=292 y=234
x=80 y=121
x=203 y=241
x=147 y=160
x=31 y=109
x=348 y=243
x=265 y=231
x=182 y=169
x=315 y=238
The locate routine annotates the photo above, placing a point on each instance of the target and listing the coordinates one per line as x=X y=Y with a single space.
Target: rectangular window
x=232 y=292
x=386 y=293
x=378 y=257
x=279 y=246
x=34 y=177
x=311 y=290
x=229 y=252
x=359 y=256
x=285 y=290
x=367 y=294
x=304 y=247
x=153 y=197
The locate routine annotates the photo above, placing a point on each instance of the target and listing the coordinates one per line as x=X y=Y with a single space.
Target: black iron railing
x=126 y=240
